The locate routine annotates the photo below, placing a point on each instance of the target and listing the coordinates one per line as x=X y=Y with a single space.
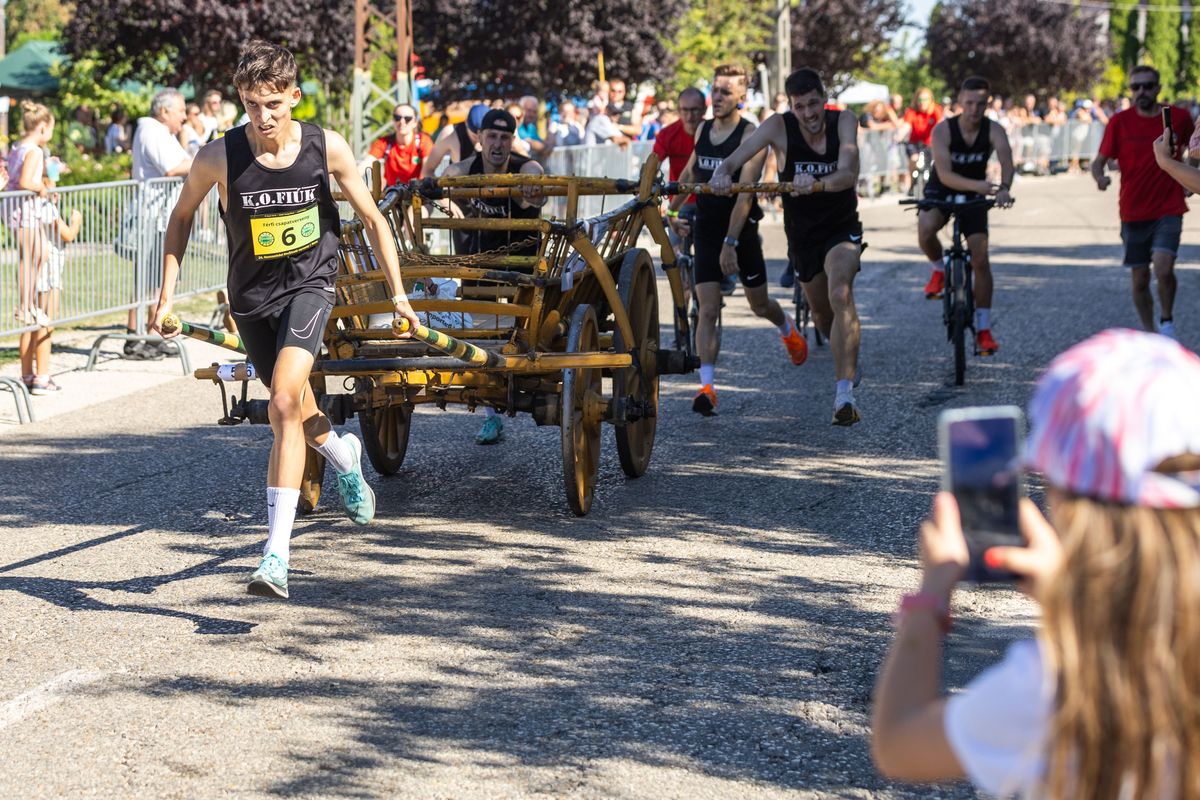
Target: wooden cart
x=570 y=333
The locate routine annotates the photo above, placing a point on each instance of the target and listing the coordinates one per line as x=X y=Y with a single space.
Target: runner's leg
x=841 y=265
x=929 y=222
x=1143 y=300
x=1164 y=275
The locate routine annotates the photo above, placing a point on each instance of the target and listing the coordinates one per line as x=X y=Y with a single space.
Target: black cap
x=499 y=120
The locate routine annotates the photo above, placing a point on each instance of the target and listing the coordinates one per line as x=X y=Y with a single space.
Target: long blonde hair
x=34 y=114
x=1121 y=631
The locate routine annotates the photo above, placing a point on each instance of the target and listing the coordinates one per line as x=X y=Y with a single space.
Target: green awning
x=27 y=70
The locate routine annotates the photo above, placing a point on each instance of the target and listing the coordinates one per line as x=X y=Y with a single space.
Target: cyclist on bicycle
x=962 y=146
x=725 y=234
x=920 y=117
x=818 y=150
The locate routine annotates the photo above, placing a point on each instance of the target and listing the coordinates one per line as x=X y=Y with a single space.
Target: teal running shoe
x=491 y=432
x=357 y=497
x=270 y=579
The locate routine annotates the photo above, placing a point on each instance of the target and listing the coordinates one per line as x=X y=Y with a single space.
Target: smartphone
x=1166 y=114
x=981 y=467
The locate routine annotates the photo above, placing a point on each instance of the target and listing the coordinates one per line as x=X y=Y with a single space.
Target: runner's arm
x=205 y=173
x=340 y=161
x=1007 y=170
x=1097 y=168
x=532 y=196
x=846 y=176
x=441 y=148
x=750 y=173
x=771 y=132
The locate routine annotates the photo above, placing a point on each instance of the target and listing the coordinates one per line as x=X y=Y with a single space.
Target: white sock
x=281 y=513
x=337 y=453
x=845 y=391
x=489 y=412
x=937 y=264
x=707 y=373
x=787 y=326
x=983 y=319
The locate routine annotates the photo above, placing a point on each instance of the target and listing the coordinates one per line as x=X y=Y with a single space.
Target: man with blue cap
x=459 y=141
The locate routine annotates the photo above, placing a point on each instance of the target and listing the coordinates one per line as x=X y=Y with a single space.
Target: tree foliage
x=171 y=41
x=1164 y=44
x=902 y=72
x=481 y=47
x=840 y=37
x=721 y=32
x=33 y=19
x=1019 y=45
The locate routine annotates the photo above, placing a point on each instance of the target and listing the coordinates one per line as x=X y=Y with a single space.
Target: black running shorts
x=299 y=323
x=807 y=255
x=752 y=267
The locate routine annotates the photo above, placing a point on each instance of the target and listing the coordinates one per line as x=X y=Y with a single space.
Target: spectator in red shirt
x=1151 y=203
x=920 y=117
x=403 y=152
x=674 y=145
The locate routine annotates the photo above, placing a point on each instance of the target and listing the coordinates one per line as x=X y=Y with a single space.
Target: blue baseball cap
x=475 y=117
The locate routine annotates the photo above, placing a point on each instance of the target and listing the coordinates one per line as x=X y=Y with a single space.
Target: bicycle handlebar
x=949 y=205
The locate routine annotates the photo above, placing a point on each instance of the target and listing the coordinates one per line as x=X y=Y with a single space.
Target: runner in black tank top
x=725 y=234
x=961 y=148
x=818 y=152
x=469 y=242
x=273 y=176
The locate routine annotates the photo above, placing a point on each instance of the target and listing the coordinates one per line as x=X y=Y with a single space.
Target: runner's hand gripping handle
x=171 y=323
x=469 y=353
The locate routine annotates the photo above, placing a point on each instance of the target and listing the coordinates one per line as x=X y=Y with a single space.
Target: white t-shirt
x=998 y=725
x=155 y=150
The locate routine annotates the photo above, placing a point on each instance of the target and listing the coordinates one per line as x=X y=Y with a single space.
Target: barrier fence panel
x=111 y=263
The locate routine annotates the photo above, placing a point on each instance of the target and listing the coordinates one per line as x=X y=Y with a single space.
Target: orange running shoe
x=937 y=282
x=985 y=345
x=796 y=345
x=705 y=401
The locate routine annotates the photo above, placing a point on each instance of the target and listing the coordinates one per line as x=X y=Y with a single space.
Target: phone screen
x=1166 y=115
x=985 y=477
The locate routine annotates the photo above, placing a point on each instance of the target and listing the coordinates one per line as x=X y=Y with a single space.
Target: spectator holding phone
x=1103 y=703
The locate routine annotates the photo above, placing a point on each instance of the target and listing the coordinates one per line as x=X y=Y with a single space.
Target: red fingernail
x=993 y=558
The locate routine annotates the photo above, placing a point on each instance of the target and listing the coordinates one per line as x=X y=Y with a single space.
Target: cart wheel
x=385 y=436
x=581 y=413
x=314 y=462
x=639 y=295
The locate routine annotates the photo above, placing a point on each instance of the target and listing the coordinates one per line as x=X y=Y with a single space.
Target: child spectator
x=35 y=360
x=1103 y=703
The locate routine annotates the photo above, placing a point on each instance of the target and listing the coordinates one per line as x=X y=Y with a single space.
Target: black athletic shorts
x=807 y=255
x=300 y=323
x=971 y=220
x=752 y=267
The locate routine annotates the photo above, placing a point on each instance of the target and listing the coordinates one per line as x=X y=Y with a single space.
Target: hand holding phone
x=1166 y=118
x=981 y=469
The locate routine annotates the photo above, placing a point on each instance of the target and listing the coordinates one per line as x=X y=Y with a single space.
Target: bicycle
x=958 y=296
x=920 y=171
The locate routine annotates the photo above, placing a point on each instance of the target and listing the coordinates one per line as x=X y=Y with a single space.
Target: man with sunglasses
x=1151 y=203
x=403 y=152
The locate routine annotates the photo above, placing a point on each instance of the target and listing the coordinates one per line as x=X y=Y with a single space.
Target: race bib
x=285 y=234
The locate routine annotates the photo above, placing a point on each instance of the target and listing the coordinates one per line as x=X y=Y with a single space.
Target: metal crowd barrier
x=115 y=262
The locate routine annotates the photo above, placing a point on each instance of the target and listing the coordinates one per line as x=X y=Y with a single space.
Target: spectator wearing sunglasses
x=403 y=152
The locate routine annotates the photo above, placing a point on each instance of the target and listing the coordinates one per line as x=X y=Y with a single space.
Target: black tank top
x=969 y=161
x=465 y=146
x=713 y=211
x=814 y=215
x=468 y=242
x=283 y=226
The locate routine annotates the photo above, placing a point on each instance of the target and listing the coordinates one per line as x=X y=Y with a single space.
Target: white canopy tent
x=862 y=92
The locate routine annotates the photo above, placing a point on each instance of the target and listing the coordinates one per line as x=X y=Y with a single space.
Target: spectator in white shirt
x=603 y=128
x=1103 y=703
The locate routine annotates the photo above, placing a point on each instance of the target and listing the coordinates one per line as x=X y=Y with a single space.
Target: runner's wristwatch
x=732 y=242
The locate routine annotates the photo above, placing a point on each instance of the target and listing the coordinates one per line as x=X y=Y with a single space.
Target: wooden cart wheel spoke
x=580 y=431
x=385 y=430
x=639 y=383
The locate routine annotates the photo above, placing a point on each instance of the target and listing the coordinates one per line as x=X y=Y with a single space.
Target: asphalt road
x=711 y=630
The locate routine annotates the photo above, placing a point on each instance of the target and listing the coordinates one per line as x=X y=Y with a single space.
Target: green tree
x=26 y=20
x=719 y=32
x=1163 y=45
x=1190 y=79
x=903 y=73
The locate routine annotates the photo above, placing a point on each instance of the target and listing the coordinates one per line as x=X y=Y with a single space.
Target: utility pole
x=382 y=29
x=781 y=65
x=4 y=52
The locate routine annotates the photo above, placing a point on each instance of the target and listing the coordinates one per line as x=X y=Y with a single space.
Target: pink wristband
x=923 y=601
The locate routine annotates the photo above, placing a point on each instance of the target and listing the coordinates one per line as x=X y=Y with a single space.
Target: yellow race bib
x=285 y=234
